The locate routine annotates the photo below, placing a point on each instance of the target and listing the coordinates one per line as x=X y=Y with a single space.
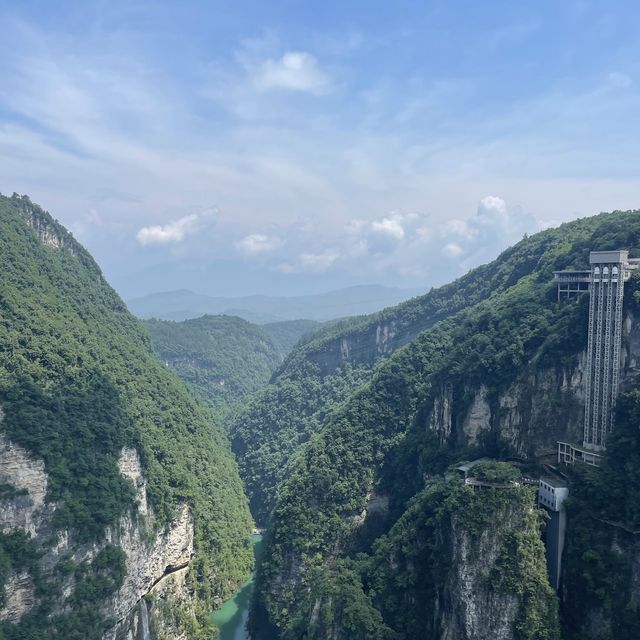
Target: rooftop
x=556 y=483
x=608 y=257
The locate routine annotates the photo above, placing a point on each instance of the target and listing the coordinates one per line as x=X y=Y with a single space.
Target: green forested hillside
x=497 y=323
x=603 y=540
x=78 y=382
x=221 y=358
x=287 y=334
x=331 y=363
x=412 y=569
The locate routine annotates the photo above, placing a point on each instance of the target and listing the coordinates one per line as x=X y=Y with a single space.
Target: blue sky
x=290 y=147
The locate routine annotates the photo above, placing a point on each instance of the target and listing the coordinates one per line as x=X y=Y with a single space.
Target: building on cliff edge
x=609 y=270
x=552 y=493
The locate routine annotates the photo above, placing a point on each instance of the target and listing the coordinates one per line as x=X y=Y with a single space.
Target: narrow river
x=231 y=617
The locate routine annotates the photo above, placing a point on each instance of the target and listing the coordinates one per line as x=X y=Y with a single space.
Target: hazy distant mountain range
x=184 y=304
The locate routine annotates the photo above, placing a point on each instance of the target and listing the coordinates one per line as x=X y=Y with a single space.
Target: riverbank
x=231 y=617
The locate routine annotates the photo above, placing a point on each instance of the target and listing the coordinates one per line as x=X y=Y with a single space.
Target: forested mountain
x=288 y=333
x=341 y=455
x=340 y=356
x=120 y=502
x=122 y=514
x=221 y=358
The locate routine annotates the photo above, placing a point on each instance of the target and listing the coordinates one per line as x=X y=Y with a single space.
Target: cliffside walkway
x=482 y=484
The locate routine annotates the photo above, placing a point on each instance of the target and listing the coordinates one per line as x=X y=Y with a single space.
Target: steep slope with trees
x=221 y=358
x=288 y=333
x=119 y=497
x=323 y=370
x=496 y=370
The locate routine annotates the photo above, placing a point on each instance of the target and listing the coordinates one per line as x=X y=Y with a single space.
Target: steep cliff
x=601 y=570
x=500 y=376
x=472 y=560
x=121 y=511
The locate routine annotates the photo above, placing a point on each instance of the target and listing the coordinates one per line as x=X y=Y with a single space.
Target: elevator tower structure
x=605 y=284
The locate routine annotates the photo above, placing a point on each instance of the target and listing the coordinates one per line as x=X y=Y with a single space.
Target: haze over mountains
x=260 y=309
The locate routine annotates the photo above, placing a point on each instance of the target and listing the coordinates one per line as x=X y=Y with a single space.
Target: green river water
x=231 y=617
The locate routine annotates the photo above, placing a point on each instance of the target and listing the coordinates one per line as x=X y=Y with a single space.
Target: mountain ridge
x=105 y=497
x=498 y=374
x=262 y=309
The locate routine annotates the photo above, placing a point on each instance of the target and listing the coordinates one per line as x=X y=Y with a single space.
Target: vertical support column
x=609 y=320
x=597 y=360
x=617 y=343
x=608 y=270
x=590 y=345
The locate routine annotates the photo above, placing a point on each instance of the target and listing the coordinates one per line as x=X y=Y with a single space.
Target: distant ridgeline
x=261 y=309
x=344 y=454
x=120 y=503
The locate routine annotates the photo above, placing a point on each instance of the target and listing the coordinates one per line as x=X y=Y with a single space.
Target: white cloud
x=309 y=262
x=171 y=233
x=452 y=249
x=176 y=231
x=257 y=243
x=294 y=71
x=492 y=208
x=318 y=261
x=412 y=245
x=389 y=226
x=459 y=227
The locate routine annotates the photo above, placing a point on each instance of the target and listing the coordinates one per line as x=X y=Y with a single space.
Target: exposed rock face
x=130 y=467
x=540 y=407
x=28 y=477
x=363 y=346
x=157 y=560
x=478 y=416
x=531 y=415
x=50 y=235
x=20 y=597
x=466 y=608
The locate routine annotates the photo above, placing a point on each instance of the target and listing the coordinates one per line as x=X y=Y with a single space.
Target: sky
x=292 y=147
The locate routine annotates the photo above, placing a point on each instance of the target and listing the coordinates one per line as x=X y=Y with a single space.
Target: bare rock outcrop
x=157 y=562
x=29 y=480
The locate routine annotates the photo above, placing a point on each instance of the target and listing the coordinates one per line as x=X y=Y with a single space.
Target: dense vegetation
x=317 y=374
x=221 y=358
x=287 y=334
x=78 y=382
x=486 y=329
x=603 y=542
x=413 y=568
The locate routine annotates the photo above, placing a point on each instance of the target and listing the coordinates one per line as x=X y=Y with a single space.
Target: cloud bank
x=398 y=247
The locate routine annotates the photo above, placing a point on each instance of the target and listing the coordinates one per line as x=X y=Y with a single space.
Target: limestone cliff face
x=465 y=607
x=536 y=410
x=157 y=558
x=49 y=232
x=539 y=407
x=463 y=558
